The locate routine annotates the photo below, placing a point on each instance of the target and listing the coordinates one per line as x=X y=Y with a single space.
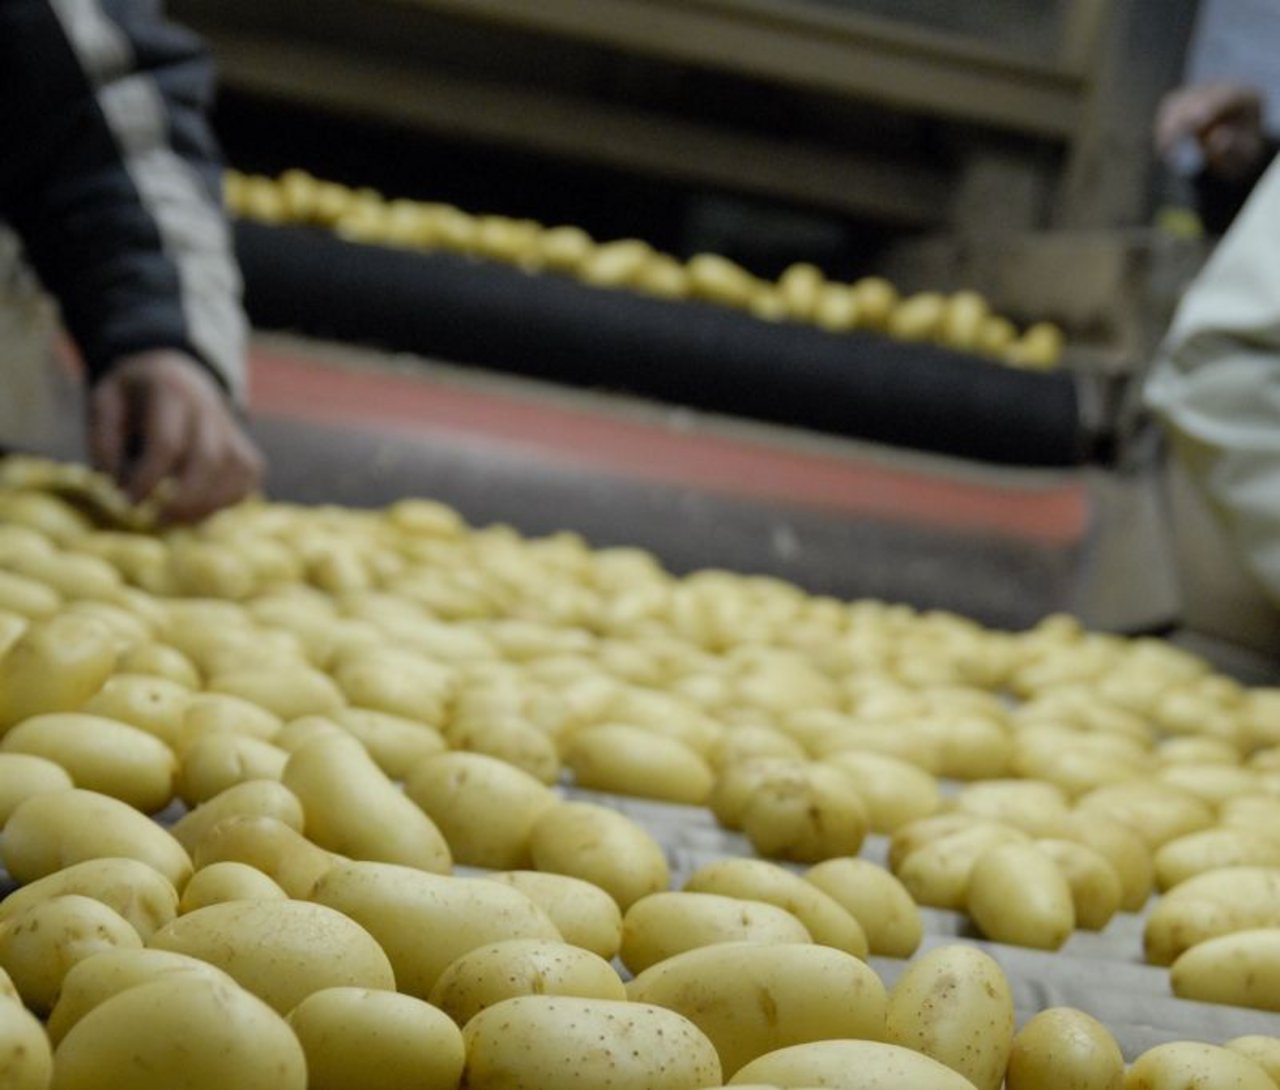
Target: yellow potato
x=917 y=318
x=836 y=309
x=404 y=684
x=51 y=831
x=212 y=713
x=100 y=976
x=751 y=998
x=553 y=1041
x=963 y=321
x=1159 y=812
x=26 y=1059
x=182 y=1030
x=876 y=899
x=218 y=761
x=1213 y=849
x=1188 y=1063
x=1242 y=969
x=511 y=740
x=298 y=732
x=46 y=517
x=485 y=808
x=27 y=597
x=850 y=1065
x=755 y=880
x=409 y=1042
x=719 y=280
x=153 y=704
x=398 y=905
x=23 y=775
x=614 y=264
x=253 y=798
x=1038 y=809
x=57 y=664
x=734 y=747
x=286 y=691
x=282 y=951
x=351 y=807
x=633 y=761
x=805 y=815
x=395 y=743
x=937 y=873
x=562 y=249
x=736 y=783
x=893 y=791
x=800 y=287
x=12 y=626
x=72 y=575
x=40 y=943
x=269 y=845
x=101 y=755
x=969 y=747
x=1095 y=886
x=1214 y=903
x=138 y=893
x=662 y=925
x=1212 y=783
x=1017 y=894
x=1066 y=1048
x=502 y=970
x=583 y=913
x=916 y=834
x=228 y=881
x=1262 y=1050
x=954 y=1004
x=1123 y=848
x=600 y=846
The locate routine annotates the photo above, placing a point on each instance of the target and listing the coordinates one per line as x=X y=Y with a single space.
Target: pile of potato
x=350 y=705
x=963 y=321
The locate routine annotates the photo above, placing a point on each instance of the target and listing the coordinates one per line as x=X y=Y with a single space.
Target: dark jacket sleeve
x=112 y=178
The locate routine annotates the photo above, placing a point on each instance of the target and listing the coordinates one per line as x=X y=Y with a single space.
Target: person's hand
x=1224 y=119
x=160 y=415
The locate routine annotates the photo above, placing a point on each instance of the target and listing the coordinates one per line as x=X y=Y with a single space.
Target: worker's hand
x=1224 y=119
x=160 y=414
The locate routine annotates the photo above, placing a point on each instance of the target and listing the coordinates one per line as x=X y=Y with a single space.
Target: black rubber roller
x=708 y=357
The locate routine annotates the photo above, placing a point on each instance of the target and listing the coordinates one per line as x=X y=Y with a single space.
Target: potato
x=268 y=845
x=600 y=846
x=228 y=881
x=502 y=970
x=662 y=925
x=485 y=808
x=751 y=998
x=252 y=798
x=40 y=943
x=1065 y=1047
x=1017 y=894
x=399 y=905
x=1038 y=809
x=583 y=913
x=631 y=760
x=404 y=684
x=138 y=893
x=735 y=785
x=216 y=762
x=153 y=704
x=969 y=747
x=26 y=1059
x=26 y=596
x=396 y=744
x=1212 y=783
x=1262 y=1050
x=100 y=976
x=298 y=732
x=56 y=665
x=937 y=874
x=73 y=575
x=50 y=831
x=341 y=1029
x=181 y=1031
x=282 y=951
x=1123 y=848
x=352 y=808
x=1214 y=903
x=12 y=626
x=876 y=899
x=1188 y=1063
x=1095 y=886
x=894 y=792
x=209 y=713
x=850 y=1065
x=954 y=1004
x=755 y=880
x=1212 y=849
x=805 y=815
x=916 y=834
x=1159 y=812
x=719 y=280
x=154 y=659
x=101 y=755
x=286 y=691
x=554 y=1041
x=512 y=740
x=1242 y=969
x=23 y=775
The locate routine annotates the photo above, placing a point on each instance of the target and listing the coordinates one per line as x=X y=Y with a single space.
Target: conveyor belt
x=484 y=314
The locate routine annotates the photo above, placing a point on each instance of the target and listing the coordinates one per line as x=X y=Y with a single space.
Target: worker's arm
x=111 y=177
x=1216 y=387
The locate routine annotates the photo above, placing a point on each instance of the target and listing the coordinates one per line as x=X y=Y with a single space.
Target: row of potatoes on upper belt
x=963 y=321
x=378 y=975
